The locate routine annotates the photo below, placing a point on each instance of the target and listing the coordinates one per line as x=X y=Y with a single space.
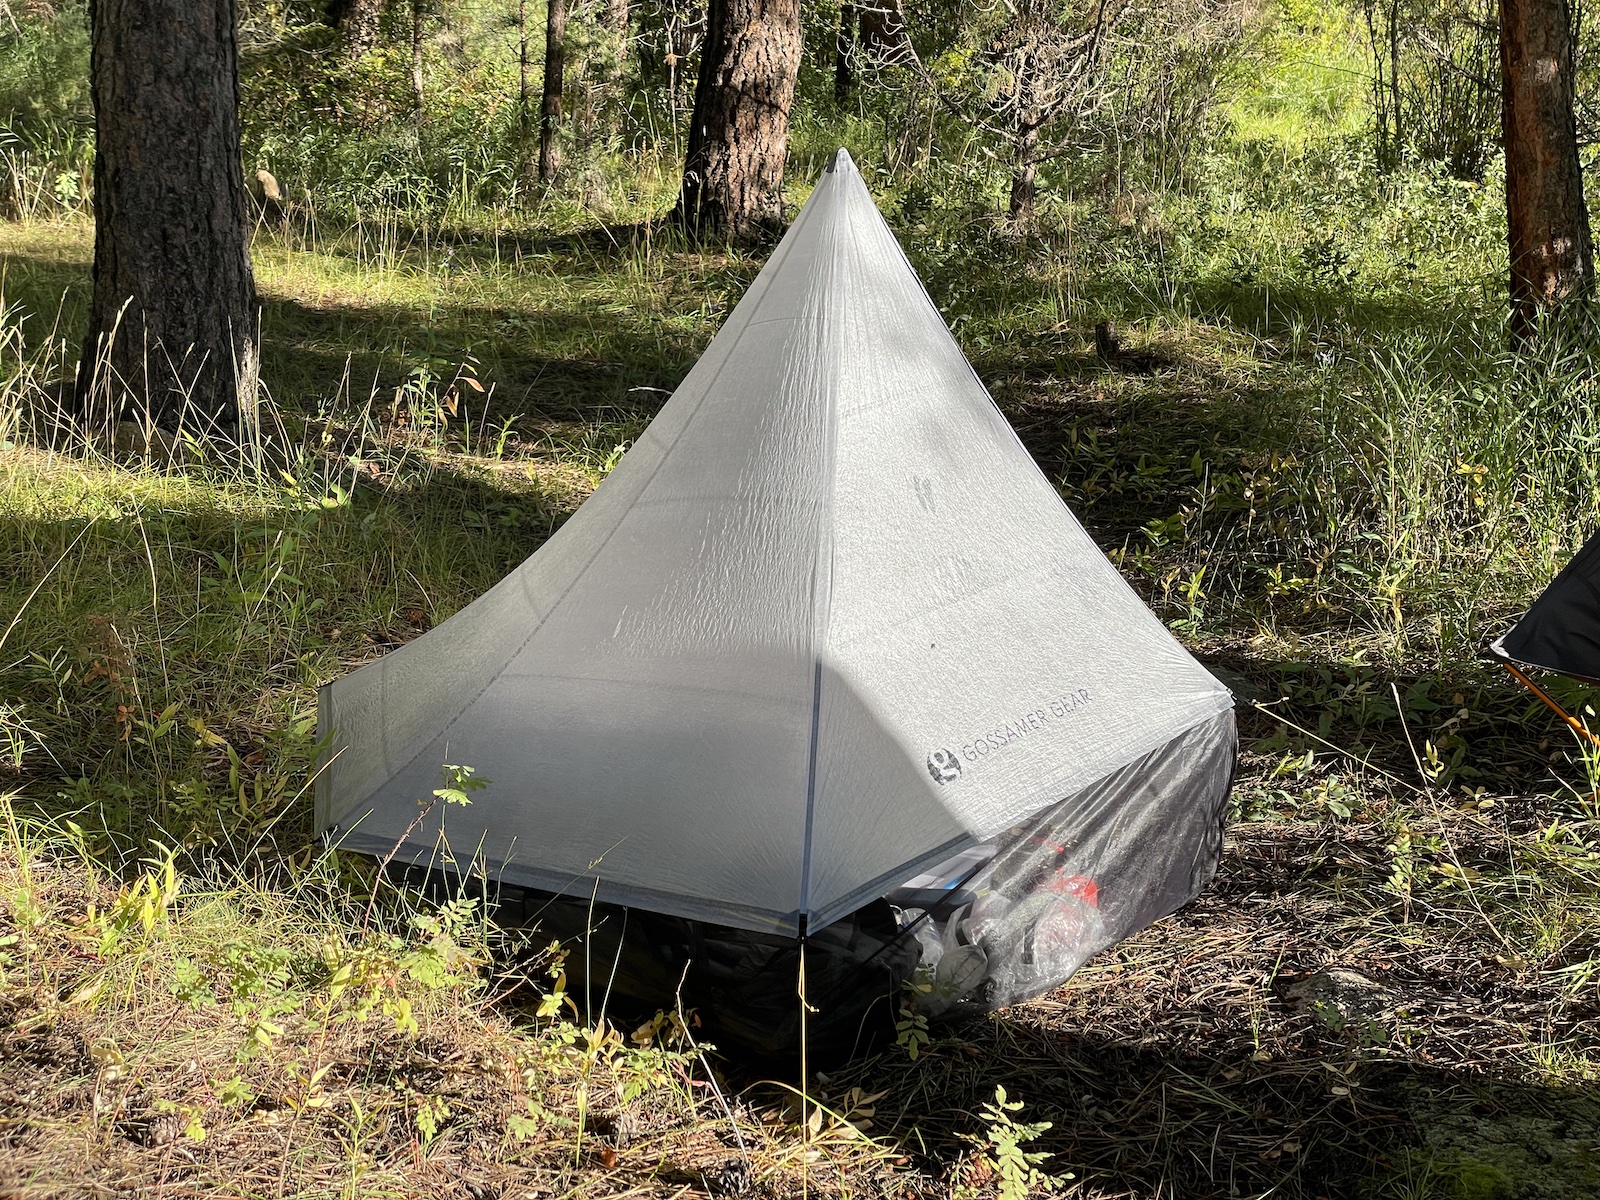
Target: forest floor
x=1389 y=991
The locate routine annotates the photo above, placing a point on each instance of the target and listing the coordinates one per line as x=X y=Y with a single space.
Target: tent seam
x=822 y=581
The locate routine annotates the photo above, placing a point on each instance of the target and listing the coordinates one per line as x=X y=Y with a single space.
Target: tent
x=1560 y=632
x=825 y=634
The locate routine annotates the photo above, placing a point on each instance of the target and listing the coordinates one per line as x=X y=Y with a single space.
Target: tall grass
x=1330 y=443
x=277 y=1033
x=1420 y=490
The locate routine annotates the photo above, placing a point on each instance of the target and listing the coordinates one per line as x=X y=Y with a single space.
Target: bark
x=739 y=133
x=1024 y=175
x=1547 y=224
x=883 y=31
x=419 y=14
x=171 y=336
x=842 y=47
x=524 y=113
x=358 y=23
x=555 y=61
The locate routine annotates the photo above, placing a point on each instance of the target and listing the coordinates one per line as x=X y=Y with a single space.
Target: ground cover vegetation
x=1249 y=315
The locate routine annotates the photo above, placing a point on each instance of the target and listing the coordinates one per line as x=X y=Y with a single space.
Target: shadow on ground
x=1200 y=1060
x=1183 y=1063
x=534 y=361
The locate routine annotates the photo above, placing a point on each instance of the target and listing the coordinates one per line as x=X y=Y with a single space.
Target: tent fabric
x=1080 y=876
x=824 y=625
x=1561 y=632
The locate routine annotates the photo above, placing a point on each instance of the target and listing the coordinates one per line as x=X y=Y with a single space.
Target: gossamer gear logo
x=1028 y=722
x=944 y=766
x=1020 y=727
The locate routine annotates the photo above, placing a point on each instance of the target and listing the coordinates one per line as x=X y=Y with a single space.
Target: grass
x=1315 y=457
x=231 y=1033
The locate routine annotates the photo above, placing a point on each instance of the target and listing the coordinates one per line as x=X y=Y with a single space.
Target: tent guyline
x=823 y=635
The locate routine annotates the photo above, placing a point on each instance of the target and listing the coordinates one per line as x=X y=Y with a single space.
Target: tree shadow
x=531 y=366
x=562 y=358
x=1195 y=1060
x=1176 y=1064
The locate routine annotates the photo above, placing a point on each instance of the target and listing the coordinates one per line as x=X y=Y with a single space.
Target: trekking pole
x=1572 y=723
x=805 y=1079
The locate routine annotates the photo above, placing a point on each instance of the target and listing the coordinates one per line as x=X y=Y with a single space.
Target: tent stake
x=1572 y=722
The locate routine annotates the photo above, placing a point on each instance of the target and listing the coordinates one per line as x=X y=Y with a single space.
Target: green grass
x=1313 y=77
x=265 y=1033
x=1317 y=458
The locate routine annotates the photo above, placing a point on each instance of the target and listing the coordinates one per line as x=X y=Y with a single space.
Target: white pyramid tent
x=825 y=625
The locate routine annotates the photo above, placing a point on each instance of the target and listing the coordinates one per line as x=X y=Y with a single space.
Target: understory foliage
x=1435 y=82
x=1434 y=70
x=46 y=126
x=1303 y=437
x=293 y=1029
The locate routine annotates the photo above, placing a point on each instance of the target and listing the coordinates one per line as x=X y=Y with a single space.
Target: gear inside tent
x=824 y=660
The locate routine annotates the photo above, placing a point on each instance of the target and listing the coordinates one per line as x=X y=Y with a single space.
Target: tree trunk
x=358 y=23
x=1024 y=175
x=171 y=336
x=1547 y=224
x=524 y=92
x=555 y=61
x=842 y=47
x=883 y=31
x=739 y=133
x=617 y=25
x=419 y=13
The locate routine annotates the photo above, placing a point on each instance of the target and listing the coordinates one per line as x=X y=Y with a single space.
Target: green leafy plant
x=1004 y=1154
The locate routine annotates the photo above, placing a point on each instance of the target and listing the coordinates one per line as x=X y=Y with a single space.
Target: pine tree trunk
x=883 y=31
x=358 y=23
x=842 y=47
x=419 y=13
x=555 y=61
x=739 y=133
x=1547 y=223
x=1024 y=175
x=171 y=337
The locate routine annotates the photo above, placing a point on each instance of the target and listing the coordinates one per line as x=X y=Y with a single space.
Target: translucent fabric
x=1006 y=920
x=825 y=624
